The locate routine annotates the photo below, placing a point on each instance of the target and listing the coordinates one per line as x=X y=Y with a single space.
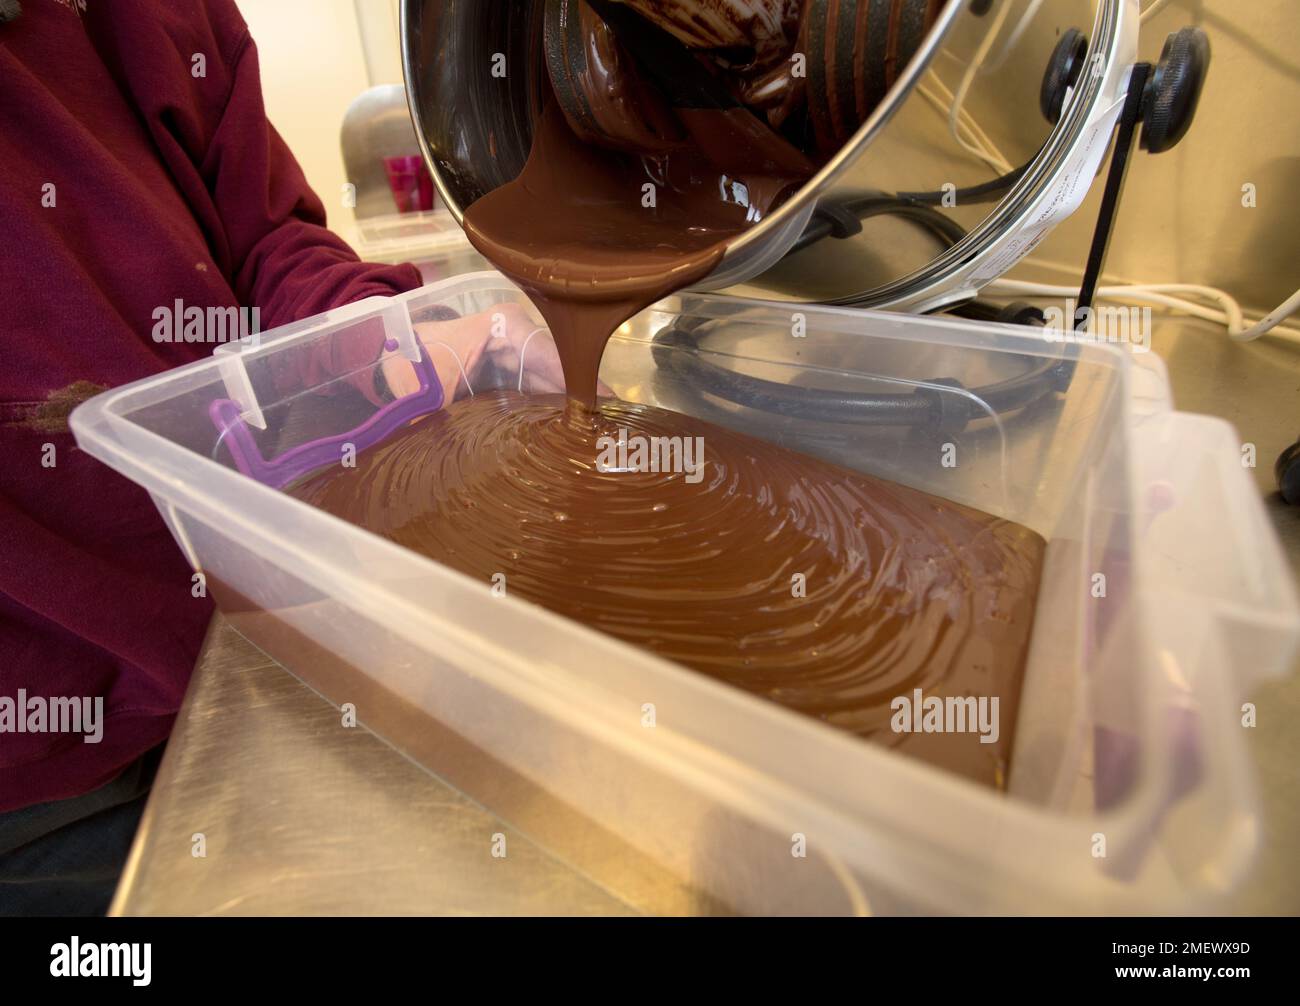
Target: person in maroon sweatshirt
x=139 y=168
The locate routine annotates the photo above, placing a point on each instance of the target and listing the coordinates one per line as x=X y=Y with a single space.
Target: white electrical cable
x=524 y=349
x=1165 y=295
x=976 y=141
x=1013 y=39
x=1272 y=321
x=963 y=88
x=1154 y=9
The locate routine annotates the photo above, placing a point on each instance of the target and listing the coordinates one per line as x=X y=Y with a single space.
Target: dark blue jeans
x=65 y=857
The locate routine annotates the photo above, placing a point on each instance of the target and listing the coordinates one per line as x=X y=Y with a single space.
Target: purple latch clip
x=298 y=461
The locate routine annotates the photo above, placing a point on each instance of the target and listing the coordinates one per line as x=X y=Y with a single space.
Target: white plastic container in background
x=1131 y=790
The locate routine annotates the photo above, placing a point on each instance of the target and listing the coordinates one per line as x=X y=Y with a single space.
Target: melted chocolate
x=574 y=231
x=824 y=590
x=594 y=234
x=900 y=590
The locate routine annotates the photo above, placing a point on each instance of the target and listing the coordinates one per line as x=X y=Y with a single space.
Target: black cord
x=823 y=224
x=982 y=193
x=939 y=405
x=830 y=219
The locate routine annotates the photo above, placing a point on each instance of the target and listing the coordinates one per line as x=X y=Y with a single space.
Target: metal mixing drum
x=962 y=128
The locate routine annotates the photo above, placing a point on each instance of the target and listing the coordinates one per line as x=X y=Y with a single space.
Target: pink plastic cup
x=411 y=183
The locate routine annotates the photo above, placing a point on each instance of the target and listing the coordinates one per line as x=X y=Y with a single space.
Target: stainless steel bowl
x=475 y=129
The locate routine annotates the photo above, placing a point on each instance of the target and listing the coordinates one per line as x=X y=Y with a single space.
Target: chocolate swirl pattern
x=900 y=590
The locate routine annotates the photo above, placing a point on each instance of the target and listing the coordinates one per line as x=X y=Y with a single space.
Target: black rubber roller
x=1287 y=471
x=1174 y=91
x=1063 y=72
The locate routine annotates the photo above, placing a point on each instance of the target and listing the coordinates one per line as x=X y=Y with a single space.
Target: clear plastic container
x=431 y=240
x=1130 y=787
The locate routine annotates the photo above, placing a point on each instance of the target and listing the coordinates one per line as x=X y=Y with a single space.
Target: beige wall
x=1182 y=217
x=380 y=39
x=313 y=66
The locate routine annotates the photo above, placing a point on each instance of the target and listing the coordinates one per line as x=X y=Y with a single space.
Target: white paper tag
x=1064 y=197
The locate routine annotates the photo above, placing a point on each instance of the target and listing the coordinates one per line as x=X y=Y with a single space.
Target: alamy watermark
x=952 y=714
x=37 y=714
x=638 y=453
x=178 y=322
x=1114 y=323
x=75 y=959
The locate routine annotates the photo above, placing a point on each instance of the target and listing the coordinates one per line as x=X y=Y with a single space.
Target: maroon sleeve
x=285 y=260
x=191 y=69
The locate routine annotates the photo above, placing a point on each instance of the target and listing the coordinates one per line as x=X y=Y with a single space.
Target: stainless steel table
x=301 y=815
